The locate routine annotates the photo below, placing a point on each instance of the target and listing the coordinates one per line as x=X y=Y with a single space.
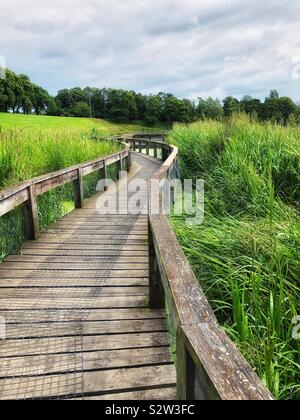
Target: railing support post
x=140 y=146
x=103 y=175
x=31 y=215
x=129 y=161
x=156 y=290
x=78 y=190
x=185 y=370
x=155 y=150
x=119 y=166
x=165 y=153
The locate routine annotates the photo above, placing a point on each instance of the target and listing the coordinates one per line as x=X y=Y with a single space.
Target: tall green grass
x=247 y=253
x=28 y=153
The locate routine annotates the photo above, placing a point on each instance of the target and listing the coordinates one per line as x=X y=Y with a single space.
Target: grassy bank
x=246 y=254
x=104 y=127
x=28 y=153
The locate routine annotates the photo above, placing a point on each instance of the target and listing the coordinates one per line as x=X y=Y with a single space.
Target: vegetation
x=246 y=254
x=19 y=95
x=102 y=127
x=27 y=153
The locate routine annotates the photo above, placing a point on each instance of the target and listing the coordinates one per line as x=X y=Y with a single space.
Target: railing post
x=140 y=146
x=156 y=290
x=147 y=148
x=155 y=150
x=78 y=190
x=185 y=370
x=103 y=175
x=31 y=215
x=119 y=166
x=129 y=161
x=165 y=153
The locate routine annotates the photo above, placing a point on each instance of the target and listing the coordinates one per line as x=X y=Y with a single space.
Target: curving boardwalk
x=76 y=309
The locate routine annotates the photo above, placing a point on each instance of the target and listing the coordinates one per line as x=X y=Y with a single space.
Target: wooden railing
x=27 y=192
x=209 y=365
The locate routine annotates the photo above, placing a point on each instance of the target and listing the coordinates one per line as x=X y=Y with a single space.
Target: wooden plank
x=71 y=292
x=88 y=247
x=14 y=316
x=67 y=329
x=68 y=384
x=91 y=361
x=13 y=201
x=82 y=303
x=91 y=253
x=158 y=394
x=83 y=258
x=128 y=233
x=56 y=181
x=57 y=274
x=113 y=265
x=72 y=282
x=62 y=345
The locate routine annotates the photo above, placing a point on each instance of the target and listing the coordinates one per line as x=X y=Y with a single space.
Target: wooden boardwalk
x=76 y=310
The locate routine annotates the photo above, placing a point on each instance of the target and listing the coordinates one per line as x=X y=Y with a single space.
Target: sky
x=190 y=48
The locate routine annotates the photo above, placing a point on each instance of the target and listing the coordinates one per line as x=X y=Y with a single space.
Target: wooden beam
x=31 y=215
x=78 y=189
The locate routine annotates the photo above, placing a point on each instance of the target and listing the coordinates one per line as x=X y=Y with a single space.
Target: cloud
x=189 y=47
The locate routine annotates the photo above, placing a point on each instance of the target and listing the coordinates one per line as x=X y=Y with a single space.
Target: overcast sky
x=187 y=47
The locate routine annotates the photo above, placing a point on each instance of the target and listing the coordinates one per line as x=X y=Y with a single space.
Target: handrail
x=209 y=365
x=26 y=192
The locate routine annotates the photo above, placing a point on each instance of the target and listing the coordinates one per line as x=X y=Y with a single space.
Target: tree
x=152 y=115
x=81 y=109
x=230 y=105
x=251 y=106
x=40 y=99
x=210 y=108
x=274 y=94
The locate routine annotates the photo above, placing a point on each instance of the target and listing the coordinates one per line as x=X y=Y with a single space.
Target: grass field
x=247 y=253
x=104 y=127
x=35 y=145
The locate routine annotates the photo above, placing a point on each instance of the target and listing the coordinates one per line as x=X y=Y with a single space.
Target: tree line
x=18 y=94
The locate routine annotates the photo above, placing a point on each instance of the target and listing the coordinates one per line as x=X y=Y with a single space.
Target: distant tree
x=40 y=99
x=210 y=108
x=81 y=109
x=52 y=107
x=251 y=106
x=152 y=115
x=274 y=94
x=230 y=105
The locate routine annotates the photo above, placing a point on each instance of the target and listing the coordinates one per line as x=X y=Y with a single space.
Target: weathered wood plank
x=70 y=384
x=71 y=292
x=81 y=303
x=88 y=247
x=158 y=394
x=57 y=274
x=62 y=345
x=25 y=282
x=113 y=265
x=89 y=361
x=64 y=329
x=36 y=316
x=80 y=259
